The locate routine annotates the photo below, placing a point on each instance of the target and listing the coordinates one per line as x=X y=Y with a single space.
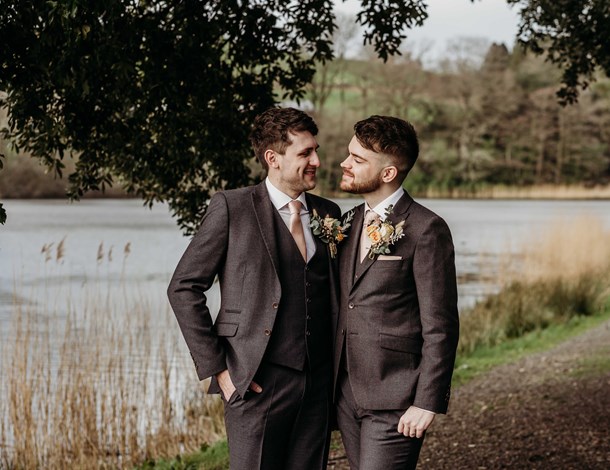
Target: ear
x=389 y=174
x=271 y=158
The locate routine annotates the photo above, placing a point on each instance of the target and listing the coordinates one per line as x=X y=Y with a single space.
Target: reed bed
x=540 y=191
x=98 y=380
x=561 y=272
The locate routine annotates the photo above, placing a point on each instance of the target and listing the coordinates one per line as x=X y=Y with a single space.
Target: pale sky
x=449 y=19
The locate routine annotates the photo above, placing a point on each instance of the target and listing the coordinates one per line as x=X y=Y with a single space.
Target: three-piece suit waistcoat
x=302 y=331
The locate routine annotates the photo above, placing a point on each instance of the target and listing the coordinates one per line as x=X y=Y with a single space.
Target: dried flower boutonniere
x=383 y=234
x=331 y=231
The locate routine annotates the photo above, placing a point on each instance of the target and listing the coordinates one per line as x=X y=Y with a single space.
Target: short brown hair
x=392 y=136
x=271 y=130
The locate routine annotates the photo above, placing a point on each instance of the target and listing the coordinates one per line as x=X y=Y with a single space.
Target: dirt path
x=547 y=411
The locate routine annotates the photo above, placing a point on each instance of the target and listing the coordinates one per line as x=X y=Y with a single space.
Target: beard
x=362 y=188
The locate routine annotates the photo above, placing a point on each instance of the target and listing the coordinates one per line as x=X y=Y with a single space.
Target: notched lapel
x=401 y=210
x=263 y=209
x=320 y=245
x=349 y=254
x=399 y=213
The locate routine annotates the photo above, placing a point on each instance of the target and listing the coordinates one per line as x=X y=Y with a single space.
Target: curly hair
x=272 y=128
x=391 y=136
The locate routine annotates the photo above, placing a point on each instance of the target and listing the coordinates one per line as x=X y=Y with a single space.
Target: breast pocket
x=388 y=262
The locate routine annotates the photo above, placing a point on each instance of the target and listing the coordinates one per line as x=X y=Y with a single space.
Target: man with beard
x=269 y=352
x=398 y=322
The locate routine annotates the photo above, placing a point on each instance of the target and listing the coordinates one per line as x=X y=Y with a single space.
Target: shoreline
x=483 y=193
x=503 y=193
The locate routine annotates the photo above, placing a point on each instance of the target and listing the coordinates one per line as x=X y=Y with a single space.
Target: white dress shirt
x=380 y=208
x=280 y=201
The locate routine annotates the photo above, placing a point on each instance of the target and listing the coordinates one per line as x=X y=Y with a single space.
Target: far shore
x=499 y=192
x=523 y=192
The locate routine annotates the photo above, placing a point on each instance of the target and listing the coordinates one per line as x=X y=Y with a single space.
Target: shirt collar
x=280 y=199
x=380 y=208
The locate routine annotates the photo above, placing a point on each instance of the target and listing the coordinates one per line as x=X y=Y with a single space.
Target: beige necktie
x=365 y=241
x=296 y=227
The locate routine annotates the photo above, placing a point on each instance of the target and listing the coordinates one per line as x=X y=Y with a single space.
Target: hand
x=227 y=387
x=415 y=421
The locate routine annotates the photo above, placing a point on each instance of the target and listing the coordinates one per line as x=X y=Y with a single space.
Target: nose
x=345 y=163
x=315 y=159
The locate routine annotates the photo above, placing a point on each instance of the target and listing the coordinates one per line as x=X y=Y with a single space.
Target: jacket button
x=308 y=333
x=275 y=305
x=308 y=301
x=308 y=317
x=267 y=332
x=350 y=305
x=342 y=331
x=308 y=284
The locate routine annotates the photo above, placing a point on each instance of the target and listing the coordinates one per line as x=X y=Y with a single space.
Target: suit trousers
x=370 y=437
x=286 y=426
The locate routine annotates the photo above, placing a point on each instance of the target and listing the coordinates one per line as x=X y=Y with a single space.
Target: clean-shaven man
x=269 y=353
x=398 y=320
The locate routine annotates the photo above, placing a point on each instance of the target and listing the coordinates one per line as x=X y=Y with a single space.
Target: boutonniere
x=331 y=231
x=383 y=234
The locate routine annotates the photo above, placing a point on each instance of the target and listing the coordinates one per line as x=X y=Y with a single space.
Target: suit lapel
x=263 y=210
x=320 y=245
x=399 y=213
x=349 y=252
x=401 y=209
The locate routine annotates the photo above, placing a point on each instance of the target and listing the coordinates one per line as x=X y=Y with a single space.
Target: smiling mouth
x=345 y=173
x=311 y=172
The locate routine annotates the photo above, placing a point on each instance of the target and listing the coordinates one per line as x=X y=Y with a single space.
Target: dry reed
x=561 y=272
x=540 y=191
x=101 y=380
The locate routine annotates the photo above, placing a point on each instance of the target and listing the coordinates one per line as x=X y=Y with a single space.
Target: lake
x=95 y=235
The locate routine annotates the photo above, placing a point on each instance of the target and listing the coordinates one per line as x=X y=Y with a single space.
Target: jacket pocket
x=231 y=310
x=226 y=329
x=400 y=343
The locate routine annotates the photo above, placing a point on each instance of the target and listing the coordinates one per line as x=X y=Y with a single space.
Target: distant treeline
x=24 y=177
x=485 y=117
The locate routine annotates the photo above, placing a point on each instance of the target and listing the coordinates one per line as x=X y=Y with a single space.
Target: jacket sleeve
x=194 y=275
x=435 y=279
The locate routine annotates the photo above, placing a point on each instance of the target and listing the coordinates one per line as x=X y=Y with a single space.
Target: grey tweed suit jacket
x=398 y=318
x=237 y=243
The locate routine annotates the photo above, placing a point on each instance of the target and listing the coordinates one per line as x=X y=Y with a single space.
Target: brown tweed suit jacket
x=398 y=318
x=236 y=242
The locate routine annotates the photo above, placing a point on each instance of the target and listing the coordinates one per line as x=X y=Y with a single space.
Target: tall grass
x=563 y=272
x=538 y=191
x=100 y=380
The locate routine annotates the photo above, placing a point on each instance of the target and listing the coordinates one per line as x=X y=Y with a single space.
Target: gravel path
x=550 y=410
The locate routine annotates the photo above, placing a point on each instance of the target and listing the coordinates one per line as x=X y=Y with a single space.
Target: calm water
x=95 y=235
